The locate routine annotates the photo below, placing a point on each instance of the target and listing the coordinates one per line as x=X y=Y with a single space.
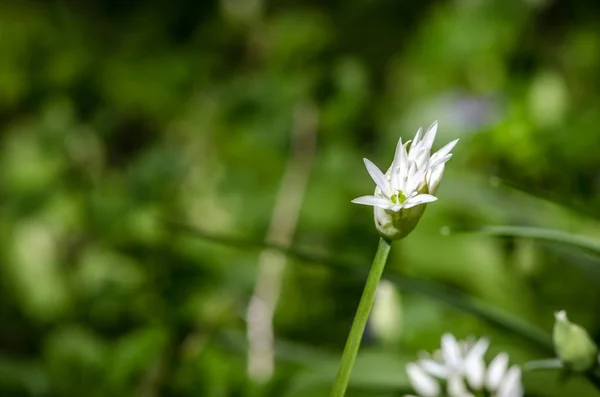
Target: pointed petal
x=456 y=387
x=417 y=138
x=434 y=177
x=417 y=178
x=399 y=167
x=434 y=368
x=415 y=145
x=422 y=383
x=445 y=150
x=410 y=176
x=439 y=160
x=450 y=348
x=418 y=200
x=475 y=372
x=423 y=160
x=496 y=371
x=479 y=348
x=475 y=365
x=413 y=182
x=373 y=201
x=378 y=177
x=511 y=385
x=430 y=136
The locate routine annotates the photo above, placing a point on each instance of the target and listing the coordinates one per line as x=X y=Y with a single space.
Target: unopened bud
x=573 y=344
x=397 y=225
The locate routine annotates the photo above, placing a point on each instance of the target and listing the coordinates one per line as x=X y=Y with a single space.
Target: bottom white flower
x=458 y=369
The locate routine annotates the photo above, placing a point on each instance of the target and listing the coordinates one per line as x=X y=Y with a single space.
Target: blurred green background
x=148 y=149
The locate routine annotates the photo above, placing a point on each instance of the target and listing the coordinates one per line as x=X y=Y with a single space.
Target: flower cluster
x=411 y=181
x=460 y=369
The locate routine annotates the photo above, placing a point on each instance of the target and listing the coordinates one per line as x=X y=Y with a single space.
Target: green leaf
x=538 y=233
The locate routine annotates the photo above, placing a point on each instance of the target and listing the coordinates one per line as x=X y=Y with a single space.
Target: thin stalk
x=360 y=319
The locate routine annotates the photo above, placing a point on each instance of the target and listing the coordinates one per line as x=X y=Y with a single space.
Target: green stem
x=360 y=319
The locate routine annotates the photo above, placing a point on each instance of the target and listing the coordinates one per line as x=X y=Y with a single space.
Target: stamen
x=398 y=198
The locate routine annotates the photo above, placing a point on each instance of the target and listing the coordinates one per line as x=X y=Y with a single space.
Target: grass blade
x=539 y=233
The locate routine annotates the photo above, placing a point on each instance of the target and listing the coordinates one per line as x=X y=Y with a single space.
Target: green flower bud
x=573 y=344
x=397 y=225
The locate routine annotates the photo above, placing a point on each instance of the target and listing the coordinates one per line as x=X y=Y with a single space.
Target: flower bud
x=397 y=225
x=573 y=344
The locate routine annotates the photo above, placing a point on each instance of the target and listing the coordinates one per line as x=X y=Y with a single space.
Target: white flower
x=462 y=366
x=505 y=383
x=465 y=358
x=421 y=381
x=413 y=177
x=411 y=181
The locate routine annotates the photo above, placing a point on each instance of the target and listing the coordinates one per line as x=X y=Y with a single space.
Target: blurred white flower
x=413 y=177
x=464 y=358
x=461 y=365
x=410 y=182
x=422 y=382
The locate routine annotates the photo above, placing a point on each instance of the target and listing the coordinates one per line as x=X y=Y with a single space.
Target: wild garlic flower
x=458 y=369
x=410 y=182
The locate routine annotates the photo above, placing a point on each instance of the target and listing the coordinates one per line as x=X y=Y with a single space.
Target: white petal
x=417 y=138
x=511 y=385
x=475 y=365
x=434 y=177
x=439 y=160
x=378 y=177
x=451 y=350
x=456 y=387
x=415 y=180
x=443 y=152
x=397 y=207
x=430 y=136
x=418 y=200
x=399 y=167
x=434 y=368
x=412 y=168
x=374 y=201
x=496 y=371
x=416 y=146
x=422 y=383
x=475 y=372
x=479 y=348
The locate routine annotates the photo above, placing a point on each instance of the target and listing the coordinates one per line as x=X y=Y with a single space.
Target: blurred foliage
x=120 y=121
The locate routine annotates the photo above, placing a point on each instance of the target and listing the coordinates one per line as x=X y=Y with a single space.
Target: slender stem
x=360 y=319
x=552 y=363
